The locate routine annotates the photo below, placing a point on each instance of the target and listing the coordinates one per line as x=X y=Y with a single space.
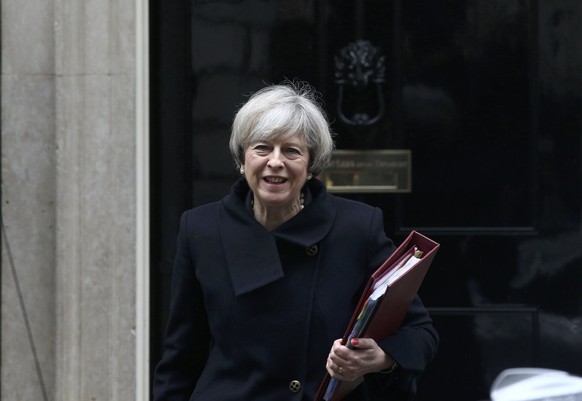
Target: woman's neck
x=273 y=217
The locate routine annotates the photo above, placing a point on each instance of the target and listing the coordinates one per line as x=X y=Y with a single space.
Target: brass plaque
x=386 y=170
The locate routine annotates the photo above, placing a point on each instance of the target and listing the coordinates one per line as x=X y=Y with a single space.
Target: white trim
x=142 y=306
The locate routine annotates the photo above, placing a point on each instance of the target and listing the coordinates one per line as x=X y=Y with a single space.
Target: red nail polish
x=355 y=341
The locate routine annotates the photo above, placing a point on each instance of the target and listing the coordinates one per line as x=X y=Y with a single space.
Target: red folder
x=385 y=301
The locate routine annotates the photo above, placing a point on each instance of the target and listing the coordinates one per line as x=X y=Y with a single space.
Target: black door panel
x=486 y=94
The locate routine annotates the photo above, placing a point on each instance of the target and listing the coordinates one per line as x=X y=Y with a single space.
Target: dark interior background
x=487 y=96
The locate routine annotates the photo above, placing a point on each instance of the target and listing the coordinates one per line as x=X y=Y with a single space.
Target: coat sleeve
x=187 y=336
x=413 y=346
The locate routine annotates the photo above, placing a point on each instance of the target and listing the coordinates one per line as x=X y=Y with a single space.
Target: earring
x=242 y=169
x=309 y=176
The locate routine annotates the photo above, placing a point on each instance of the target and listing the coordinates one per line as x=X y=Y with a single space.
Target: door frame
x=142 y=256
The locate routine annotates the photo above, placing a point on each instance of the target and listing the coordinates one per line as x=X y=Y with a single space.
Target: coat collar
x=251 y=251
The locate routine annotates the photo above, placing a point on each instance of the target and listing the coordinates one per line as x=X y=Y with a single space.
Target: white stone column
x=69 y=202
x=96 y=202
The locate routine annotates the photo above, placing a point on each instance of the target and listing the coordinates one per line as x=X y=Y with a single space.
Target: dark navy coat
x=254 y=313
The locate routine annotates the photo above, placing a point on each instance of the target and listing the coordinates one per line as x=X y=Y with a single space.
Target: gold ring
x=341 y=370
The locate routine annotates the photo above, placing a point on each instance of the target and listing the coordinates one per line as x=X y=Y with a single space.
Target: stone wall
x=69 y=200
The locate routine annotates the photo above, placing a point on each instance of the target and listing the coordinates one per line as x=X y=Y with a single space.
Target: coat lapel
x=251 y=251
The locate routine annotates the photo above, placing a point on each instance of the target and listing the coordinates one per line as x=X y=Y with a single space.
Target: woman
x=266 y=280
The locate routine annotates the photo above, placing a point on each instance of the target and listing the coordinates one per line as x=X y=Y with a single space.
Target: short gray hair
x=283 y=110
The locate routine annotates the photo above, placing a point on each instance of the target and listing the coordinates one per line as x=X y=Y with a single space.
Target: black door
x=486 y=94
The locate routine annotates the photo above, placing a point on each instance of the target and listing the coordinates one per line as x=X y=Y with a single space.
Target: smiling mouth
x=274 y=180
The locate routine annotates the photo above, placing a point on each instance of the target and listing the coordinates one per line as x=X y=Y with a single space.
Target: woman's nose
x=275 y=160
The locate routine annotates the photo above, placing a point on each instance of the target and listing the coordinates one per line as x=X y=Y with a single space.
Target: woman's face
x=276 y=170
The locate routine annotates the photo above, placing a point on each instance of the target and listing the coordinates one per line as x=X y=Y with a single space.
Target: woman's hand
x=348 y=364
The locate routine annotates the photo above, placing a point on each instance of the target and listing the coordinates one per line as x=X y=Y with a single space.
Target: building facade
x=115 y=118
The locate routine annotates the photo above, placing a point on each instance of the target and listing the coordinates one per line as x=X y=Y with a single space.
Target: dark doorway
x=487 y=97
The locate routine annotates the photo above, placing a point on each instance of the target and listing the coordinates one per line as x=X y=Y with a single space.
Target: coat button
x=311 y=251
x=295 y=386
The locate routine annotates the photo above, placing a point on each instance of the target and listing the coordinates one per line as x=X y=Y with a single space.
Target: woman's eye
x=294 y=151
